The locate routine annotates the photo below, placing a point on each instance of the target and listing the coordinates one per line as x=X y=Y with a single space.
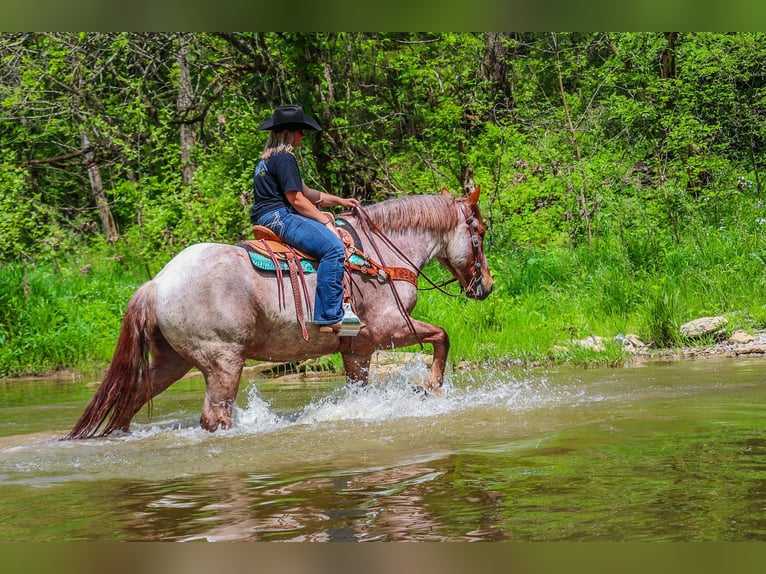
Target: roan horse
x=210 y=309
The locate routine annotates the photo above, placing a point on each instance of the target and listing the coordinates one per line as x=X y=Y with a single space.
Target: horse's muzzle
x=479 y=291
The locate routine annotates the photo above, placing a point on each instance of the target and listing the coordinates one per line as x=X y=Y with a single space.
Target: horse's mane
x=432 y=212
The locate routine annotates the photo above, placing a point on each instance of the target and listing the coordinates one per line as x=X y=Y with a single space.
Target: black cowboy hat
x=290 y=117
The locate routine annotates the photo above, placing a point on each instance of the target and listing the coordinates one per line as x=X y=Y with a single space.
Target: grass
x=69 y=316
x=545 y=299
x=57 y=317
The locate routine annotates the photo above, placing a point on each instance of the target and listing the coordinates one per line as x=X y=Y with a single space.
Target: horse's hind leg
x=222 y=377
x=165 y=368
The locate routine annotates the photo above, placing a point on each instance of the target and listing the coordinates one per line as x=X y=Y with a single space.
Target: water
x=672 y=452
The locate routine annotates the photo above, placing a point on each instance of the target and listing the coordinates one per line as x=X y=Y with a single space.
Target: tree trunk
x=185 y=103
x=584 y=208
x=97 y=189
x=668 y=57
x=496 y=65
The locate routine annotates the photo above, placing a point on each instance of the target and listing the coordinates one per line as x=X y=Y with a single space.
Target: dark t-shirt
x=272 y=178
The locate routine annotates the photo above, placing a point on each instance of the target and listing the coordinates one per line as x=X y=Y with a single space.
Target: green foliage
x=621 y=172
x=661 y=315
x=19 y=224
x=61 y=316
x=403 y=113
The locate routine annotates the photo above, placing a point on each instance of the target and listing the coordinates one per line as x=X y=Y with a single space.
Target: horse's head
x=464 y=256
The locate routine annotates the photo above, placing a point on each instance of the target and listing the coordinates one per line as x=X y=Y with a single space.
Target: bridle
x=478 y=250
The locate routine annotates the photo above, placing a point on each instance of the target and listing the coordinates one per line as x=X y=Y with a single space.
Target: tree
x=187 y=131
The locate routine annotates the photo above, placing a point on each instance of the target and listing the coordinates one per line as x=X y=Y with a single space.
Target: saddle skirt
x=269 y=253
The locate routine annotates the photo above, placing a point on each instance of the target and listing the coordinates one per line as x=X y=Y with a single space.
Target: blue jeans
x=316 y=240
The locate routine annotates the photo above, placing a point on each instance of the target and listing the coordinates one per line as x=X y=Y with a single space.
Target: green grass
x=55 y=317
x=545 y=299
x=58 y=316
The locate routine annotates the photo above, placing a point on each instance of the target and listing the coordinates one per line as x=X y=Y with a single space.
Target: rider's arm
x=306 y=208
x=327 y=199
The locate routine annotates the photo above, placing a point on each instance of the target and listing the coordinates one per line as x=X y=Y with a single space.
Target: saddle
x=268 y=252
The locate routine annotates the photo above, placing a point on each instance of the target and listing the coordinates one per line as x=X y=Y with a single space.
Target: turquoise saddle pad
x=265 y=263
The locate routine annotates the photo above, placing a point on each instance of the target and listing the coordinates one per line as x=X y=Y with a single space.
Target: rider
x=286 y=205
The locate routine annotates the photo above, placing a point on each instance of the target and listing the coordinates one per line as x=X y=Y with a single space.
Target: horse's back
x=212 y=301
x=206 y=288
x=199 y=259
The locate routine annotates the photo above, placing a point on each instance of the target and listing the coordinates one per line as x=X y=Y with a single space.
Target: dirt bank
x=753 y=348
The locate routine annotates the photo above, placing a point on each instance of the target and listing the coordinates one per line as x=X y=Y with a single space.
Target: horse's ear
x=473 y=197
x=445 y=191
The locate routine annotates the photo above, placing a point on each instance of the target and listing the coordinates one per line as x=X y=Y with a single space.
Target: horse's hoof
x=427 y=391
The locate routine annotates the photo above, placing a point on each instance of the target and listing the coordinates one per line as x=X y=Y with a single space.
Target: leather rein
x=370 y=229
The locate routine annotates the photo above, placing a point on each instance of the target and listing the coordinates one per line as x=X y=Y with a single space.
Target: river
x=656 y=452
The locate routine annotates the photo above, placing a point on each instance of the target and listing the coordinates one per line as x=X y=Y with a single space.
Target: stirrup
x=351 y=323
x=348 y=327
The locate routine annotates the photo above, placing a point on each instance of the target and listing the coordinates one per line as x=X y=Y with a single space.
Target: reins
x=369 y=227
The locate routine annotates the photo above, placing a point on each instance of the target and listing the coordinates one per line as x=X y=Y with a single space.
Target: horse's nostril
x=482 y=291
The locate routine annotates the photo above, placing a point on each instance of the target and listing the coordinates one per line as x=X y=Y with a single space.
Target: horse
x=209 y=308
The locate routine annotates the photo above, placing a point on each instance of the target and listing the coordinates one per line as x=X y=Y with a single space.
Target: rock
x=740 y=338
x=757 y=349
x=622 y=340
x=464 y=366
x=591 y=342
x=399 y=358
x=385 y=364
x=630 y=342
x=703 y=326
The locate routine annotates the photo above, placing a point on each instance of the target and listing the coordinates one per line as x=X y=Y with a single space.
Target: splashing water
x=393 y=409
x=563 y=455
x=402 y=396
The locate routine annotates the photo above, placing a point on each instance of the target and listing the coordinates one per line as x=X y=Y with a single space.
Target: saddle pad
x=266 y=264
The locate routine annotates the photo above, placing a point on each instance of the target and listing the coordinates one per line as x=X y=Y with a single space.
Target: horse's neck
x=419 y=246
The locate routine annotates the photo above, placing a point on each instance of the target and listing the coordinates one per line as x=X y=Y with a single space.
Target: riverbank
x=386 y=362
x=729 y=348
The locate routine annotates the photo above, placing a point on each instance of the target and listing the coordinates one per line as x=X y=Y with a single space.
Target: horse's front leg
x=438 y=338
x=440 y=341
x=357 y=367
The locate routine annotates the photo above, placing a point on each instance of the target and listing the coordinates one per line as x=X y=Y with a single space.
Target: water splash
x=389 y=399
x=257 y=414
x=402 y=396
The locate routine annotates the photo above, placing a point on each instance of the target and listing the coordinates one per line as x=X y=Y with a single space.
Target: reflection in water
x=390 y=504
x=653 y=453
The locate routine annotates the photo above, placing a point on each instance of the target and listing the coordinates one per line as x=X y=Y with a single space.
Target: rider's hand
x=348 y=202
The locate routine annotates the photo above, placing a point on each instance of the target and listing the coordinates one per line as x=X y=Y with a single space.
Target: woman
x=286 y=205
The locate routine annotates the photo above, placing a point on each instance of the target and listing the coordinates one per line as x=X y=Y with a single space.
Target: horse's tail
x=125 y=388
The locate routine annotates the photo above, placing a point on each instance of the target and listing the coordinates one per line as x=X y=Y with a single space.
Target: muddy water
x=658 y=452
